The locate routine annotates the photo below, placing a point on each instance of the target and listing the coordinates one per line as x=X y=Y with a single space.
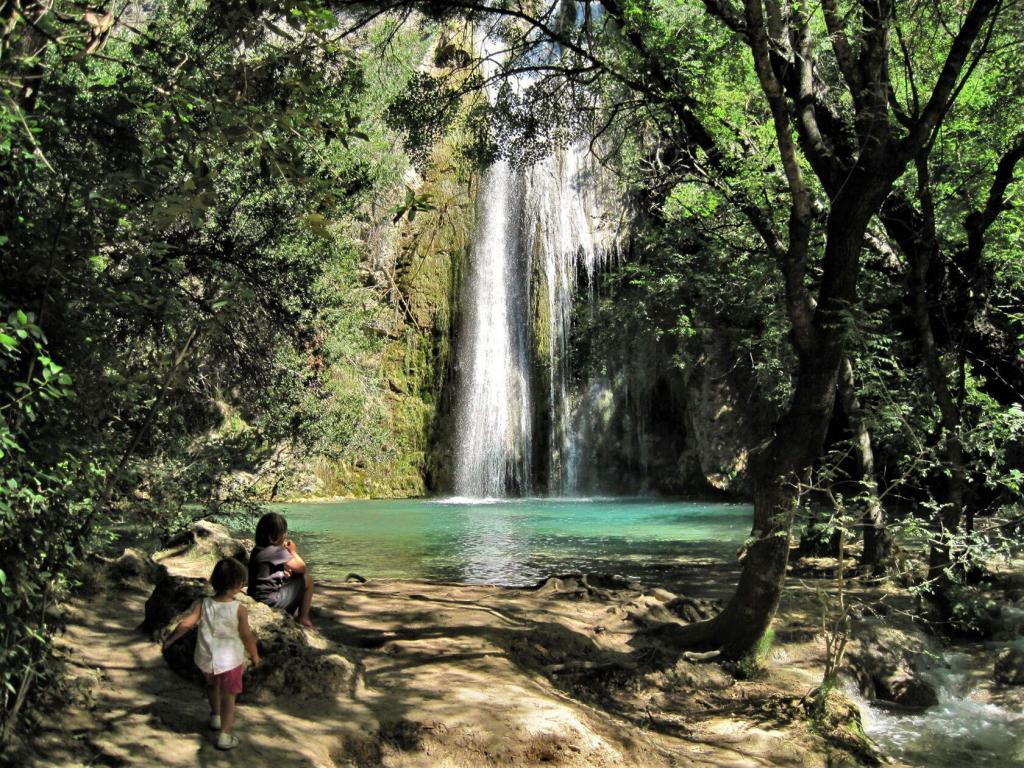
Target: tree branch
x=841 y=46
x=939 y=101
x=794 y=259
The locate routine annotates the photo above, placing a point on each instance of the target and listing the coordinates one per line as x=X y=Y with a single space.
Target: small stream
x=963 y=729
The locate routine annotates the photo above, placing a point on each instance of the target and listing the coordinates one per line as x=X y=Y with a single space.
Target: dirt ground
x=449 y=676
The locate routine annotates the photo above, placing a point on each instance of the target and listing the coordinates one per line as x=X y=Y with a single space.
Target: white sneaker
x=227 y=741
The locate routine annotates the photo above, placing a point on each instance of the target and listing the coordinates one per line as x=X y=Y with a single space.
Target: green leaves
x=411 y=205
x=22 y=326
x=349 y=130
x=318 y=224
x=208 y=174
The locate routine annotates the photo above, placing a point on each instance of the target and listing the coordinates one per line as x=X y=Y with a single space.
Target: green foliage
x=44 y=499
x=423 y=112
x=972 y=611
x=186 y=311
x=411 y=205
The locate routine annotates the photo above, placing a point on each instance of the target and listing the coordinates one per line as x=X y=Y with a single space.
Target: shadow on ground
x=449 y=675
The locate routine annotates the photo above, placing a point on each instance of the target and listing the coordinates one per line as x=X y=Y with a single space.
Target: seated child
x=277 y=575
x=224 y=637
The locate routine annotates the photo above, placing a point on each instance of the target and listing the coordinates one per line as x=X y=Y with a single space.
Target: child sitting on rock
x=224 y=637
x=277 y=575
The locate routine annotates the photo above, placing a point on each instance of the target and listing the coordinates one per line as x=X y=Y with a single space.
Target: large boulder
x=1009 y=669
x=132 y=569
x=886 y=663
x=171 y=598
x=135 y=567
x=295 y=661
x=206 y=539
x=838 y=719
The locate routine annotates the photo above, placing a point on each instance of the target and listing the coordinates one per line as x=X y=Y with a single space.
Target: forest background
x=196 y=296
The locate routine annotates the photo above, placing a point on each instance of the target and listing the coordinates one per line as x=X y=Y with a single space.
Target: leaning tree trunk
x=775 y=472
x=775 y=469
x=799 y=437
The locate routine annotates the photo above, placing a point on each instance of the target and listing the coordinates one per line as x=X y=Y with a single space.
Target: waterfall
x=562 y=209
x=493 y=444
x=493 y=453
x=542 y=221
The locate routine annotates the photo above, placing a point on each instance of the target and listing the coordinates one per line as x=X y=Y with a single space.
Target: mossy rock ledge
x=294 y=661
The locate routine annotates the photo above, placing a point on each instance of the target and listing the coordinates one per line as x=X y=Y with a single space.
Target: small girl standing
x=224 y=637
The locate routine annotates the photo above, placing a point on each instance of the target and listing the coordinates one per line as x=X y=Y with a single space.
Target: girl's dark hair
x=227 y=574
x=270 y=529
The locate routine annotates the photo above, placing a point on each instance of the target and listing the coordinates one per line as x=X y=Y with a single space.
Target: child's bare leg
x=307 y=601
x=227 y=712
x=213 y=695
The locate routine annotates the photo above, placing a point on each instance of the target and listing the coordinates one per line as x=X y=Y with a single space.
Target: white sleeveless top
x=219 y=646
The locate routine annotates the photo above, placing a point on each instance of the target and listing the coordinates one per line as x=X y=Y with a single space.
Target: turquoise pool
x=518 y=541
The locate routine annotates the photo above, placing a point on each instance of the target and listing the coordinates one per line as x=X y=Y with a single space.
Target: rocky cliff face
x=648 y=415
x=721 y=419
x=655 y=418
x=413 y=262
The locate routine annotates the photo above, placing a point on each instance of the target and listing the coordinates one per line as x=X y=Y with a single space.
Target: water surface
x=517 y=541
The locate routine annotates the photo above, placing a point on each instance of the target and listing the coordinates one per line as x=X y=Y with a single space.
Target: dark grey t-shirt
x=266 y=571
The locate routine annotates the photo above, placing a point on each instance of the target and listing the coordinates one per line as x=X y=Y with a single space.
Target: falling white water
x=564 y=234
x=493 y=445
x=546 y=212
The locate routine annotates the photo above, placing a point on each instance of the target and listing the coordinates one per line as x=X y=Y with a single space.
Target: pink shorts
x=228 y=682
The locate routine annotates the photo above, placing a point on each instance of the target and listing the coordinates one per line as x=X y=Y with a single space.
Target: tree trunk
x=877 y=540
x=952 y=449
x=922 y=250
x=774 y=469
x=799 y=437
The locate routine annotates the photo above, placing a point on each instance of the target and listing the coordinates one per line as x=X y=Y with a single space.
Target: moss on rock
x=425 y=257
